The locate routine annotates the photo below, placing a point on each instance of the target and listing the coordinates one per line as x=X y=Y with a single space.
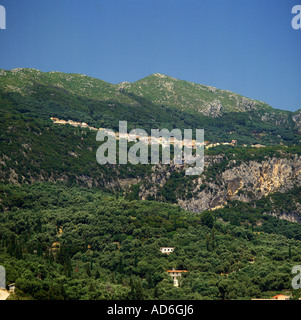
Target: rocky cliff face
x=297 y=119
x=245 y=182
x=213 y=109
x=263 y=178
x=294 y=216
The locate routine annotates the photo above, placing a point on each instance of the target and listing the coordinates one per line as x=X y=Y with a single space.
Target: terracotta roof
x=177 y=271
x=279 y=295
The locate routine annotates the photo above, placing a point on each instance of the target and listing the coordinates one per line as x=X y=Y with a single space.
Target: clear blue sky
x=248 y=47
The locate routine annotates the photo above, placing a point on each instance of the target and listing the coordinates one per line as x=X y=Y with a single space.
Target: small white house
x=167 y=250
x=175 y=274
x=11 y=288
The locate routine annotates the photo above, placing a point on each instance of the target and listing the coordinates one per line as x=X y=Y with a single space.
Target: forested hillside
x=154 y=102
x=73 y=243
x=71 y=228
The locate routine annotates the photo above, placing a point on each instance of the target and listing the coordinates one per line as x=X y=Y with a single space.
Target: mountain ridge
x=156 y=101
x=148 y=79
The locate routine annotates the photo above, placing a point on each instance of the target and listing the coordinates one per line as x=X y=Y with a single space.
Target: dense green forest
x=73 y=229
x=67 y=242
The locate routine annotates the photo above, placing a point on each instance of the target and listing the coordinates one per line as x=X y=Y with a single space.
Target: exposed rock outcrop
x=245 y=182
x=297 y=119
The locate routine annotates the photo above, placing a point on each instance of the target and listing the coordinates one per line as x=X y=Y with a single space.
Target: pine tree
x=149 y=280
x=12 y=245
x=97 y=275
x=213 y=237
x=132 y=288
x=208 y=242
x=120 y=265
x=88 y=270
x=39 y=250
x=138 y=291
x=68 y=267
x=18 y=252
x=135 y=259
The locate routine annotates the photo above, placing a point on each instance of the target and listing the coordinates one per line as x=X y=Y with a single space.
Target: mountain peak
x=157 y=76
x=160 y=75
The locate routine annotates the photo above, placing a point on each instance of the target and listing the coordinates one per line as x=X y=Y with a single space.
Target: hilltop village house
x=73 y=123
x=167 y=250
x=281 y=297
x=148 y=140
x=277 y=297
x=175 y=274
